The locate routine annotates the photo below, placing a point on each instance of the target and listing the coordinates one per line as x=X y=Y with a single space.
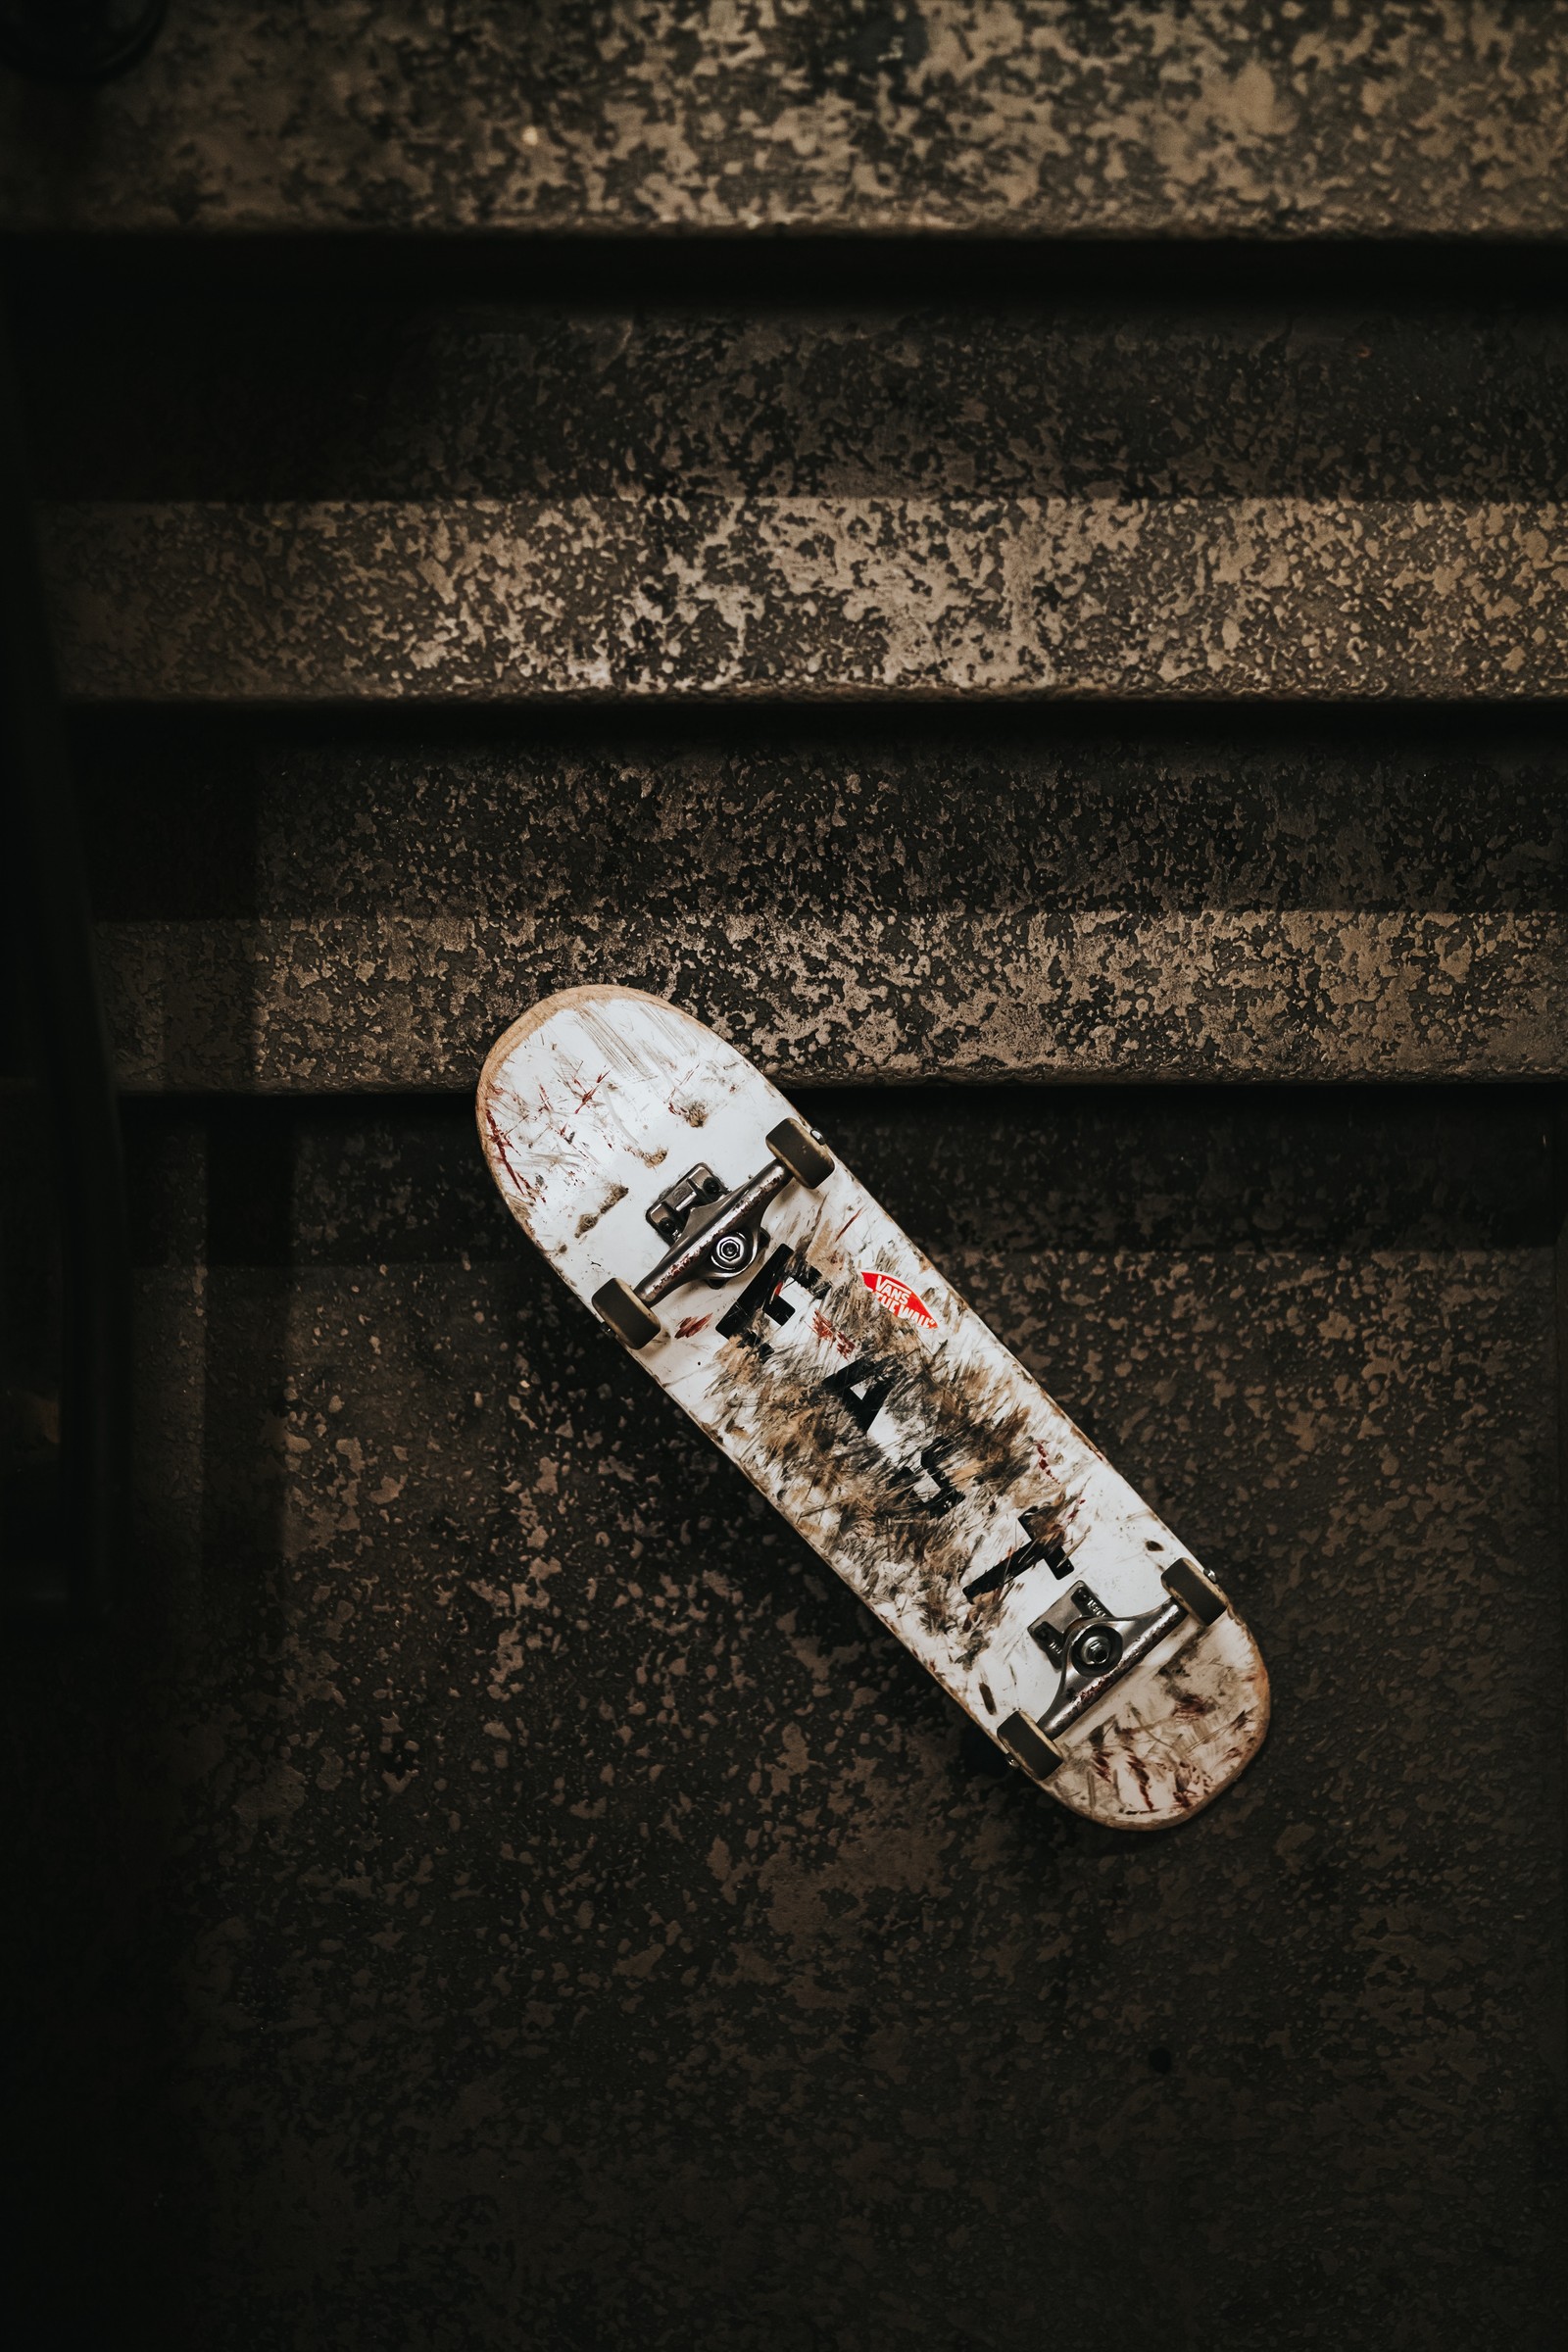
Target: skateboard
x=677 y=1193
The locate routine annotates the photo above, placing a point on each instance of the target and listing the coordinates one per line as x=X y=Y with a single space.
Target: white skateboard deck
x=871 y=1406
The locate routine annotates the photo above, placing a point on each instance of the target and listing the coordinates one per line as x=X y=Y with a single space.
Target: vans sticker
x=898 y=1296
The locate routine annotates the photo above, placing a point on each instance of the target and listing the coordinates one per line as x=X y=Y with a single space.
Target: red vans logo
x=898 y=1296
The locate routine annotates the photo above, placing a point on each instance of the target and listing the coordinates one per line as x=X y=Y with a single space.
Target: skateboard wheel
x=1198 y=1596
x=626 y=1313
x=1029 y=1747
x=810 y=1162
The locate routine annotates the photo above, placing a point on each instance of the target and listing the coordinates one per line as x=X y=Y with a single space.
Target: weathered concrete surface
x=326 y=504
x=1110 y=117
x=318 y=1004
x=513 y=1897
x=1140 y=392
x=287 y=910
x=812 y=597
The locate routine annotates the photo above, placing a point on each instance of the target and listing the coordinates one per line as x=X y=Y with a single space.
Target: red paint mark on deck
x=553 y=1118
x=845 y=1227
x=824 y=1330
x=522 y=1184
x=692 y=1325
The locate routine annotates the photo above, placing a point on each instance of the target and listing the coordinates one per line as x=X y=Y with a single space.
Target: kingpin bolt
x=1096 y=1649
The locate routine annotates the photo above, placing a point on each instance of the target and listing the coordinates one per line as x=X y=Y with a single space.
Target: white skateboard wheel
x=1198 y=1596
x=628 y=1318
x=810 y=1162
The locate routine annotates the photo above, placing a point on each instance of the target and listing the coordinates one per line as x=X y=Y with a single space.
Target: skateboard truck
x=1091 y=1649
x=713 y=1236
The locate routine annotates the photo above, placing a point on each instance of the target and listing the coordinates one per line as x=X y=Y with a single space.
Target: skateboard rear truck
x=715 y=1235
x=1093 y=1651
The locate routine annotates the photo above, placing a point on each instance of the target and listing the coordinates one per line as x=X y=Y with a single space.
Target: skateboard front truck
x=1092 y=1650
x=713 y=1236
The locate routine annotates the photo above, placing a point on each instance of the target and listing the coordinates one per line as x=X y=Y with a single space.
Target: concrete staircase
x=1013 y=558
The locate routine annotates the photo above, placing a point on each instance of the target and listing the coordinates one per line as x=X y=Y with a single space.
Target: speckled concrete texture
x=1145 y=389
x=490 y=1890
x=488 y=507
x=515 y=1899
x=290 y=910
x=810 y=598
x=1109 y=117
x=318 y=1004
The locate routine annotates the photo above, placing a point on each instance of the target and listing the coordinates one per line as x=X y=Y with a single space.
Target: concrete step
x=497 y=507
x=1041 y=118
x=813 y=599
x=321 y=1004
x=442 y=1584
x=1143 y=389
x=289 y=910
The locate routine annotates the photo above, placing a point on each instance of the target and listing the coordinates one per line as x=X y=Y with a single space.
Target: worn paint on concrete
x=1211 y=116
